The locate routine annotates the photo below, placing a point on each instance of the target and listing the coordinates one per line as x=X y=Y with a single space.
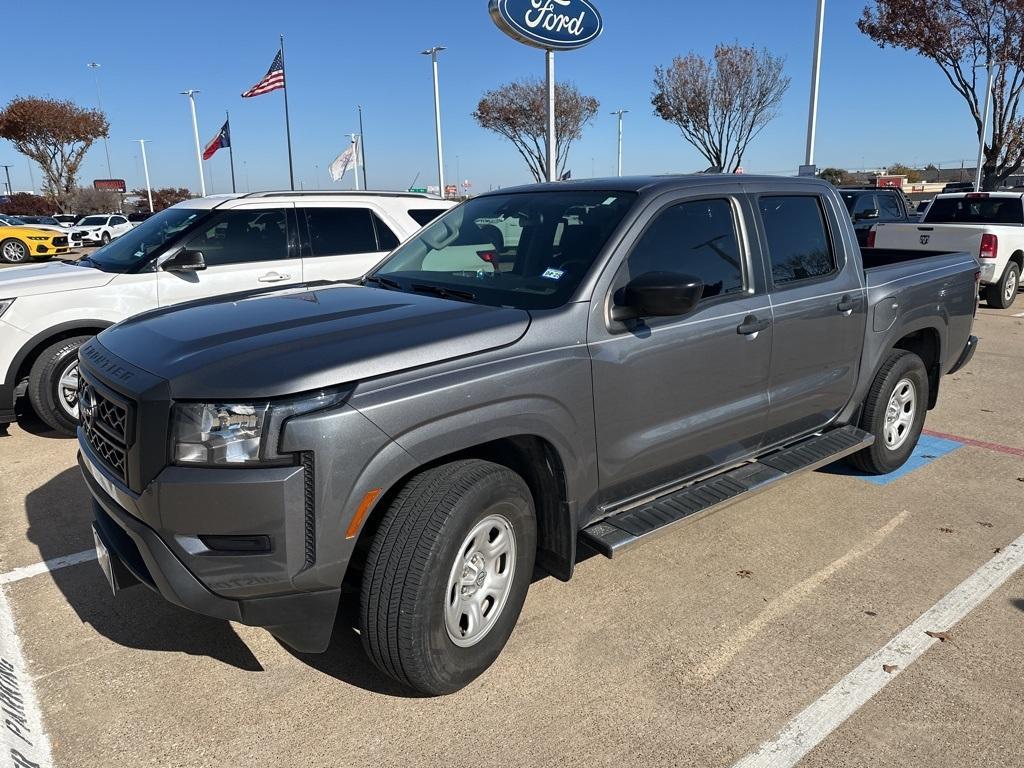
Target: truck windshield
x=975 y=210
x=129 y=251
x=528 y=250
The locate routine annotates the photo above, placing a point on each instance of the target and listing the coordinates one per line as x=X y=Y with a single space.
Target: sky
x=877 y=107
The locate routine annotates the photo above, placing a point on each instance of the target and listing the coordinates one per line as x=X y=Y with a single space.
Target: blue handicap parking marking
x=928 y=450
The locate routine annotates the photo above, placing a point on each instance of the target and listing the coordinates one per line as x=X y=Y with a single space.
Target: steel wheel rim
x=480 y=581
x=1010 y=286
x=899 y=414
x=67 y=390
x=14 y=251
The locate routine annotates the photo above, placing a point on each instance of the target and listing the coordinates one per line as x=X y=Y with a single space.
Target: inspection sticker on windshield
x=553 y=274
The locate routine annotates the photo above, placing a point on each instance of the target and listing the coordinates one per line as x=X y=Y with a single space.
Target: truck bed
x=883 y=257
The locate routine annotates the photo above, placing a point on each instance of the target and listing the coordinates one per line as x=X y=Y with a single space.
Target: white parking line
x=814 y=724
x=22 y=737
x=27 y=571
x=1019 y=314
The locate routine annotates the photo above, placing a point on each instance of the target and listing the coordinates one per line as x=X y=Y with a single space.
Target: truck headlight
x=5 y=304
x=233 y=434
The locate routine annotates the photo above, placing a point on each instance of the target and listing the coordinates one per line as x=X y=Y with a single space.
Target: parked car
x=21 y=244
x=40 y=222
x=868 y=207
x=197 y=249
x=988 y=225
x=66 y=219
x=958 y=186
x=101 y=229
x=138 y=217
x=648 y=350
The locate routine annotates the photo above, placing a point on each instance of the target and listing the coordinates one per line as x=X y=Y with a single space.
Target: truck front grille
x=105 y=424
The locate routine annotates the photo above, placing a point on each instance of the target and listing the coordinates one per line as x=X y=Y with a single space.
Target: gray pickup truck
x=543 y=368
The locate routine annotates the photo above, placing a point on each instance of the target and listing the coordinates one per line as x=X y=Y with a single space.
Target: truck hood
x=289 y=342
x=37 y=279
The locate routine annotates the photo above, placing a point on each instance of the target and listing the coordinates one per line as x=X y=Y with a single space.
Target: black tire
x=415 y=551
x=996 y=293
x=13 y=251
x=105 y=238
x=44 y=384
x=880 y=458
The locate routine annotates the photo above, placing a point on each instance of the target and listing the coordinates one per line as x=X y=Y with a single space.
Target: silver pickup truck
x=542 y=368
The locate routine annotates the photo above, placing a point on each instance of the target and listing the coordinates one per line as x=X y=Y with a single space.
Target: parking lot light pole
x=812 y=117
x=984 y=123
x=145 y=170
x=191 y=93
x=99 y=103
x=620 y=113
x=432 y=53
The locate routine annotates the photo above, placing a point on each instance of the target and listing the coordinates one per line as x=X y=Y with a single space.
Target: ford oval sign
x=554 y=25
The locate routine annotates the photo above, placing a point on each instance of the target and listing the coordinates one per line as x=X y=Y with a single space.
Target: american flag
x=271 y=81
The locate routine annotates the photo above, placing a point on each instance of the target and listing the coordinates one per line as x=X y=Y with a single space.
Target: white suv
x=197 y=249
x=101 y=229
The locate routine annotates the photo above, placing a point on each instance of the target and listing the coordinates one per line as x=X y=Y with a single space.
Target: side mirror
x=871 y=213
x=657 y=294
x=185 y=261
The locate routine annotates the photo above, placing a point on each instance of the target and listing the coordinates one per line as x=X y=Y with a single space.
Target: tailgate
x=930 y=237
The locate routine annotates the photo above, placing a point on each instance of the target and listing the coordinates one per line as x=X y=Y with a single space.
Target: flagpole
x=355 y=160
x=287 y=121
x=362 y=146
x=231 y=149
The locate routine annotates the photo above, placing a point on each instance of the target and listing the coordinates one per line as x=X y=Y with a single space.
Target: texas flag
x=221 y=141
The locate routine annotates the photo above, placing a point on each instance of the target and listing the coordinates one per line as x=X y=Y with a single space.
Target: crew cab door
x=819 y=310
x=244 y=248
x=343 y=241
x=677 y=396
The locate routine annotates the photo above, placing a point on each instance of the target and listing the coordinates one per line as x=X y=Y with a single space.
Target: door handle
x=751 y=326
x=846 y=305
x=273 y=277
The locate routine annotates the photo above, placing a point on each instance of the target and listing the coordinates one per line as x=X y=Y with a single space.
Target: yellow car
x=19 y=244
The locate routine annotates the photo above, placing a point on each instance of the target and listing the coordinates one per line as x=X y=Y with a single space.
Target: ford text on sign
x=558 y=25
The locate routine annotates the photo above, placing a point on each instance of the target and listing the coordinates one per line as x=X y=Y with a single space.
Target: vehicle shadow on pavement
x=346 y=661
x=31 y=423
x=59 y=517
x=1018 y=603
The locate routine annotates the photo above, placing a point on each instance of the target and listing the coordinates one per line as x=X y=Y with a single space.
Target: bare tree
x=721 y=104
x=56 y=134
x=518 y=111
x=86 y=200
x=962 y=36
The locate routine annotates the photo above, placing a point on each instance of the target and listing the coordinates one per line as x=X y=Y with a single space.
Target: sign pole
x=231 y=149
x=552 y=136
x=812 y=116
x=145 y=169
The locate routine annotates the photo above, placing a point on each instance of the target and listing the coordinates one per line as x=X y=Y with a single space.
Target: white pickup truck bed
x=988 y=225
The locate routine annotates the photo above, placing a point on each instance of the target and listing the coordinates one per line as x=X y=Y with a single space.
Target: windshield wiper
x=444 y=293
x=386 y=282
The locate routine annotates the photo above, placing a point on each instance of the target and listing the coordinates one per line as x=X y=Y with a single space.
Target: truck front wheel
x=1001 y=295
x=447 y=575
x=894 y=412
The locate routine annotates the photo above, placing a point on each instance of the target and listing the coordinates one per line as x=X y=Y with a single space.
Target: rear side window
x=798 y=242
x=889 y=207
x=695 y=238
x=343 y=231
x=117 y=220
x=975 y=210
x=424 y=216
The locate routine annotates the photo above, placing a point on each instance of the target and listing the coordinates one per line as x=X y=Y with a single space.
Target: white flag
x=342 y=163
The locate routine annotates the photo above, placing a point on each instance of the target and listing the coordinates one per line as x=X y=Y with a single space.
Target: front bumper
x=253 y=589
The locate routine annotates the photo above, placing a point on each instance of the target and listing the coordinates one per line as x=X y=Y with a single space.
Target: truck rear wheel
x=1001 y=295
x=447 y=575
x=894 y=413
x=53 y=385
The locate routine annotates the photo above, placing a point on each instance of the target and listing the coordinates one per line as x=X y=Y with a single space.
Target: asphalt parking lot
x=758 y=628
